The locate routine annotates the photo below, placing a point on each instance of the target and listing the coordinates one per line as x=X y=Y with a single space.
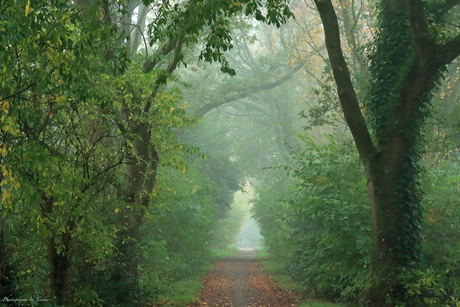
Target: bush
x=323 y=231
x=316 y=220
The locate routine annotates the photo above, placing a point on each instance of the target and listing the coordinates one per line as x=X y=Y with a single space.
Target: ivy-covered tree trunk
x=396 y=220
x=393 y=172
x=404 y=67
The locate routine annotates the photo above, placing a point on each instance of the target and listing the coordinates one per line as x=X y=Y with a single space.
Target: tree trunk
x=142 y=172
x=382 y=288
x=392 y=167
x=59 y=269
x=5 y=289
x=125 y=277
x=58 y=256
x=5 y=270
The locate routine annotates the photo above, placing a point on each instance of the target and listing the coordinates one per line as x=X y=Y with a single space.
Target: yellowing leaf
x=5 y=104
x=16 y=185
x=116 y=210
x=28 y=9
x=59 y=99
x=6 y=195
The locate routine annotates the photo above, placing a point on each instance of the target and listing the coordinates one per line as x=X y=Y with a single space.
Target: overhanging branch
x=162 y=77
x=451 y=3
x=245 y=93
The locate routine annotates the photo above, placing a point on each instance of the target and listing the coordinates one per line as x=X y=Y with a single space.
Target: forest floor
x=240 y=281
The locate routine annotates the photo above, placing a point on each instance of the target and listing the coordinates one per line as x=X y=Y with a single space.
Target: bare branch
x=135 y=44
x=142 y=14
x=173 y=65
x=350 y=35
x=450 y=50
x=118 y=121
x=419 y=29
x=346 y=92
x=427 y=50
x=149 y=65
x=161 y=79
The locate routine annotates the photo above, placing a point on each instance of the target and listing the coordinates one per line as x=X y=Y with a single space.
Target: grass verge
x=283 y=280
x=320 y=304
x=187 y=291
x=229 y=251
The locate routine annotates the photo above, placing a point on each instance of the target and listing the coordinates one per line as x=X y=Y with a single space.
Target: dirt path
x=238 y=281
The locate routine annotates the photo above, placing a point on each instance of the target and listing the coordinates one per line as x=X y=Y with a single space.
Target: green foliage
x=233 y=247
x=178 y=230
x=392 y=167
x=229 y=251
x=63 y=154
x=331 y=219
x=74 y=109
x=184 y=292
x=323 y=233
x=226 y=179
x=186 y=21
x=392 y=59
x=226 y=230
x=437 y=282
x=56 y=158
x=271 y=211
x=281 y=276
x=388 y=67
x=321 y=304
x=285 y=281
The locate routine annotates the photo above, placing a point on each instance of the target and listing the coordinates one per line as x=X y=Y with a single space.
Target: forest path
x=239 y=281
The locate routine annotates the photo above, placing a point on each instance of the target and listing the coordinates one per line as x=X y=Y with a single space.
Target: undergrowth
x=230 y=251
x=187 y=291
x=282 y=279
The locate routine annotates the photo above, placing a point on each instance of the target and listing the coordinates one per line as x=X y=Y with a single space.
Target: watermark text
x=25 y=301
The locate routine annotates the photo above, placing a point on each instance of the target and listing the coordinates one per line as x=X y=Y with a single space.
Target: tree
x=176 y=27
x=56 y=160
x=252 y=106
x=59 y=62
x=413 y=46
